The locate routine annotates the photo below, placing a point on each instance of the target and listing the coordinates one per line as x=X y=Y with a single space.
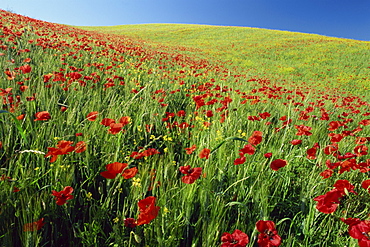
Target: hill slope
x=112 y=141
x=277 y=55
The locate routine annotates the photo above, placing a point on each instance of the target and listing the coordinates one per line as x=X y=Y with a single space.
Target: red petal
x=277 y=164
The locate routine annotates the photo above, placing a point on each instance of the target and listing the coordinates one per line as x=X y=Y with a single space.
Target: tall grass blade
x=17 y=124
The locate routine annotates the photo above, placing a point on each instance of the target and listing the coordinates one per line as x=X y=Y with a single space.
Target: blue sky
x=336 y=18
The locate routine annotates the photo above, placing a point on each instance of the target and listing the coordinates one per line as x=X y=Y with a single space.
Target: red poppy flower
x=350 y=221
x=362 y=140
x=47 y=77
x=333 y=125
x=11 y=74
x=148 y=210
x=92 y=116
x=145 y=153
x=74 y=76
x=115 y=128
x=240 y=160
x=191 y=174
x=277 y=164
x=268 y=234
x=296 y=142
x=365 y=122
x=191 y=149
x=42 y=116
x=268 y=155
x=347 y=165
x=204 y=153
x=366 y=184
x=25 y=69
x=303 y=130
x=53 y=152
x=256 y=138
x=113 y=169
x=209 y=113
x=360 y=150
x=335 y=137
x=149 y=127
x=21 y=117
x=248 y=149
x=150 y=151
x=327 y=173
x=181 y=113
x=344 y=186
x=23 y=88
x=331 y=149
x=80 y=147
x=124 y=120
x=108 y=85
x=329 y=202
x=364 y=166
x=107 y=121
x=207 y=124
x=183 y=125
x=34 y=226
x=63 y=147
x=311 y=152
x=129 y=173
x=235 y=239
x=264 y=115
x=254 y=118
x=199 y=101
x=62 y=196
x=360 y=230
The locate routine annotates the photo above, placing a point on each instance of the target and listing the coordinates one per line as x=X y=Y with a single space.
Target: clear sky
x=336 y=18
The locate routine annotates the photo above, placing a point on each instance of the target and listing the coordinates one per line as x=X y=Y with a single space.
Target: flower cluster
x=253 y=141
x=267 y=237
x=144 y=153
x=359 y=229
x=62 y=196
x=191 y=174
x=115 y=128
x=179 y=100
x=329 y=202
x=148 y=212
x=117 y=168
x=65 y=147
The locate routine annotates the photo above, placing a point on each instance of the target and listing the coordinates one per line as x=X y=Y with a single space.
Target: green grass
x=277 y=55
x=176 y=98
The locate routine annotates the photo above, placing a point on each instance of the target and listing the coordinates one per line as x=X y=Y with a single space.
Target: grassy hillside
x=107 y=140
x=277 y=55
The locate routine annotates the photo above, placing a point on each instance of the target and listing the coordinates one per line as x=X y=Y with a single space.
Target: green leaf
x=17 y=124
x=226 y=139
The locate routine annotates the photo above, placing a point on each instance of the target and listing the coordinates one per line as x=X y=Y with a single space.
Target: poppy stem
x=119 y=135
x=235 y=183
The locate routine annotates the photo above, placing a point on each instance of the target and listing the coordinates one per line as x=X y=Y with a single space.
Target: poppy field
x=108 y=140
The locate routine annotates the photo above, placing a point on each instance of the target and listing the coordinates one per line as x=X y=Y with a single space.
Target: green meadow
x=182 y=135
x=276 y=55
